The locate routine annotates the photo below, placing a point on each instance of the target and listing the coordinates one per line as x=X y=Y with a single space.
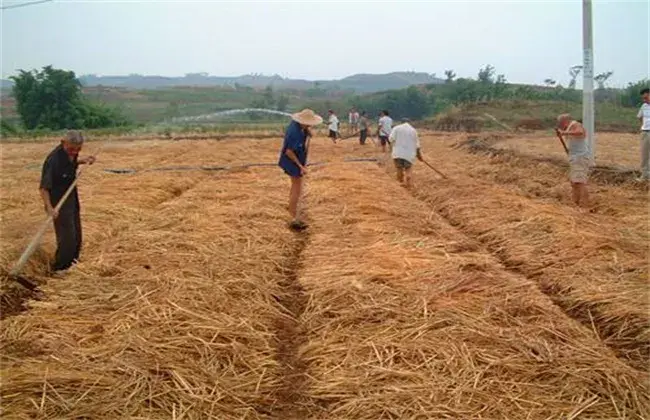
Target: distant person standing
x=364 y=126
x=384 y=128
x=644 y=117
x=406 y=148
x=579 y=159
x=293 y=159
x=353 y=119
x=58 y=174
x=333 y=125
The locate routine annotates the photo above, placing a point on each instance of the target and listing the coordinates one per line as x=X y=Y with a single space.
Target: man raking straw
x=58 y=174
x=405 y=146
x=293 y=159
x=579 y=161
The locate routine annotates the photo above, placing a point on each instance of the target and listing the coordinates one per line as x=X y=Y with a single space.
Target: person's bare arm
x=576 y=131
x=292 y=155
x=47 y=203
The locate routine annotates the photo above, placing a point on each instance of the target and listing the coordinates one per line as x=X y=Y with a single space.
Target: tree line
x=421 y=101
x=53 y=99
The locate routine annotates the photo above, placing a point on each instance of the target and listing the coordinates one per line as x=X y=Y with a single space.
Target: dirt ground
x=484 y=295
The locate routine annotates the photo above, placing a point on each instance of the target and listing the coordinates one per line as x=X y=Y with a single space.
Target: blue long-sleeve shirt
x=294 y=139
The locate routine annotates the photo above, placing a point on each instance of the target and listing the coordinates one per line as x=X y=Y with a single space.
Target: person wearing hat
x=293 y=159
x=405 y=146
x=58 y=173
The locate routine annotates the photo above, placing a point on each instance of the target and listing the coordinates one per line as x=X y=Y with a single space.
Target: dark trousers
x=68 y=238
x=363 y=135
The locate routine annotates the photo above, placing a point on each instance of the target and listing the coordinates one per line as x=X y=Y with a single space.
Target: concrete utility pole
x=588 y=78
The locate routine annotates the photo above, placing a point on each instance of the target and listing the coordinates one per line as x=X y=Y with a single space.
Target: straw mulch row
x=408 y=318
x=593 y=265
x=172 y=312
x=617 y=149
x=556 y=168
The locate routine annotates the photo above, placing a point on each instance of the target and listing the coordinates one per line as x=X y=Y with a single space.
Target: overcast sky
x=528 y=41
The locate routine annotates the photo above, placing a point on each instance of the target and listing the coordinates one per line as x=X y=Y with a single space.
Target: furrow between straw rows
x=584 y=312
x=509 y=226
x=289 y=334
x=410 y=318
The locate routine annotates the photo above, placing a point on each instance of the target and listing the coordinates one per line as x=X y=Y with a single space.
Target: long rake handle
x=559 y=136
x=41 y=231
x=493 y=118
x=435 y=170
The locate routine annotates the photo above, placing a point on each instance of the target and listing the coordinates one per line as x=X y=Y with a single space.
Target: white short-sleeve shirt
x=405 y=142
x=385 y=125
x=333 y=123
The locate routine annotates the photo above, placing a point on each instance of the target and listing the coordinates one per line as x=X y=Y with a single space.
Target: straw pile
x=593 y=265
x=172 y=312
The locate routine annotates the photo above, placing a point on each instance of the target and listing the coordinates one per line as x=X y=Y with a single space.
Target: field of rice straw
x=483 y=296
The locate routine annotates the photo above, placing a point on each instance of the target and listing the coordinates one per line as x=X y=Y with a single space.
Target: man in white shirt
x=333 y=126
x=406 y=147
x=384 y=128
x=644 y=117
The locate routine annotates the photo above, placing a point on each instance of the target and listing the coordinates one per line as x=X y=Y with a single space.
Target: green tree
x=486 y=74
x=602 y=78
x=269 y=101
x=450 y=76
x=52 y=98
x=574 y=72
x=282 y=103
x=631 y=96
x=7 y=129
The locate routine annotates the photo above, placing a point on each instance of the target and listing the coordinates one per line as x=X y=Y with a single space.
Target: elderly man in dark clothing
x=58 y=174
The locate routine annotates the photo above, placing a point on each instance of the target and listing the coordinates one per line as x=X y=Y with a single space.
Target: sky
x=528 y=41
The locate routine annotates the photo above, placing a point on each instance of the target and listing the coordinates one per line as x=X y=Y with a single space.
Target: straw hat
x=307 y=117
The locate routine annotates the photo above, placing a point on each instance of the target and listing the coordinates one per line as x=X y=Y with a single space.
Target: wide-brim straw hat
x=307 y=117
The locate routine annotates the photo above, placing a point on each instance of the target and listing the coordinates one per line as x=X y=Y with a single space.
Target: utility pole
x=588 y=78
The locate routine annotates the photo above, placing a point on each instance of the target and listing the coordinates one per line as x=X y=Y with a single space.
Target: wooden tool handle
x=41 y=231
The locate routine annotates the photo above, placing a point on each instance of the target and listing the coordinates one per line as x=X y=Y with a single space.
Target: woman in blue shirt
x=293 y=158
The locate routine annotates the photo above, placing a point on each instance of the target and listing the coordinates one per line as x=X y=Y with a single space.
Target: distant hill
x=358 y=83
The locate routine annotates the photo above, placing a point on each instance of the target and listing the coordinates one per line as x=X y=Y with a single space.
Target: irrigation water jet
x=220 y=114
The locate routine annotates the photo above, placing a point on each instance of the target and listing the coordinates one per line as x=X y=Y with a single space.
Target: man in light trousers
x=644 y=117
